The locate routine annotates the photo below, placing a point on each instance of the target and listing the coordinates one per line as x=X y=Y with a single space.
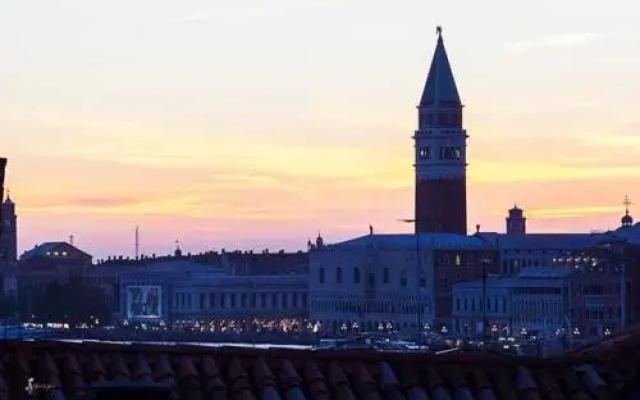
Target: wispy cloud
x=557 y=40
x=572 y=212
x=245 y=11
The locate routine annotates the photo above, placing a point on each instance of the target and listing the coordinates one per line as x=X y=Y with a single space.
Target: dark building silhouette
x=440 y=152
x=516 y=222
x=54 y=254
x=9 y=235
x=3 y=165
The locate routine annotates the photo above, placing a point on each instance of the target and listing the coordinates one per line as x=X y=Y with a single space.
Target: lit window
x=458 y=260
x=64 y=253
x=425 y=153
x=55 y=253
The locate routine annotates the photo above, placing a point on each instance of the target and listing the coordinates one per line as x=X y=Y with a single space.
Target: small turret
x=626 y=220
x=319 y=242
x=178 y=250
x=516 y=222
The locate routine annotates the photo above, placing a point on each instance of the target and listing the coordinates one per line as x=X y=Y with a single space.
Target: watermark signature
x=33 y=387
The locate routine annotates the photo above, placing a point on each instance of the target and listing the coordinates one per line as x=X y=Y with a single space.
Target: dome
x=627 y=220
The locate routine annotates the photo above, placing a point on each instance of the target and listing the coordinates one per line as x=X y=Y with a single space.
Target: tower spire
x=440 y=88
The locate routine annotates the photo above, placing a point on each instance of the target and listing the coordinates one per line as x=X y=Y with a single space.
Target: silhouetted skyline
x=252 y=126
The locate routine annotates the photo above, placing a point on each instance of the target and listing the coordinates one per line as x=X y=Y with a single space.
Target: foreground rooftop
x=196 y=372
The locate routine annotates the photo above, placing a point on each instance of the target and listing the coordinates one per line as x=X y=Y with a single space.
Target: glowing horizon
x=249 y=126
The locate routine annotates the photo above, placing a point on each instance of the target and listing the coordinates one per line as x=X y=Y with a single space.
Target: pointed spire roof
x=440 y=88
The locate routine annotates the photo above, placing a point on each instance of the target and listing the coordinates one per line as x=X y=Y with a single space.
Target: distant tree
x=73 y=302
x=7 y=306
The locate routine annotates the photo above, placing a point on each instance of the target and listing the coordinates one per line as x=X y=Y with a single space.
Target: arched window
x=403 y=278
x=356 y=275
x=339 y=275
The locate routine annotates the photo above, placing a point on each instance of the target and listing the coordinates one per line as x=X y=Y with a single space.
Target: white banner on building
x=144 y=302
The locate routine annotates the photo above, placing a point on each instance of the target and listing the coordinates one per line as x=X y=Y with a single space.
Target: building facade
x=403 y=281
x=605 y=287
x=181 y=290
x=533 y=302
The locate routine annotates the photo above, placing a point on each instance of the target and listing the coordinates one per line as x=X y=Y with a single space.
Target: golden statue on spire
x=439 y=30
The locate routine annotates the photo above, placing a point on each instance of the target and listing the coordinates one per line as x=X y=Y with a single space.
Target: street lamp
x=418 y=268
x=484 y=262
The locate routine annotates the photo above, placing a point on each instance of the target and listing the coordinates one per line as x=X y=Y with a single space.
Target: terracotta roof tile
x=340 y=383
x=119 y=368
x=411 y=383
x=389 y=384
x=74 y=373
x=189 y=379
x=164 y=371
x=197 y=373
x=367 y=387
x=213 y=383
x=575 y=389
x=291 y=382
x=316 y=382
x=142 y=370
x=265 y=380
x=615 y=381
x=49 y=370
x=240 y=385
x=504 y=384
x=548 y=384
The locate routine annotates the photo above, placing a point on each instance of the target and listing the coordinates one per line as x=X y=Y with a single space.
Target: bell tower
x=440 y=152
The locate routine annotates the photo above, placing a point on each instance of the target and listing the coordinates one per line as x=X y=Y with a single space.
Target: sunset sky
x=246 y=124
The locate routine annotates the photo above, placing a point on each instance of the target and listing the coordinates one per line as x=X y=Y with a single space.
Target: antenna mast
x=137 y=242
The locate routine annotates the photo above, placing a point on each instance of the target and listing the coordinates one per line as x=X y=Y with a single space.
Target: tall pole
x=623 y=295
x=484 y=297
x=137 y=242
x=3 y=165
x=419 y=298
x=418 y=268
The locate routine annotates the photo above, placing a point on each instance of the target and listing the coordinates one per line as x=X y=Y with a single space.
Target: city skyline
x=104 y=131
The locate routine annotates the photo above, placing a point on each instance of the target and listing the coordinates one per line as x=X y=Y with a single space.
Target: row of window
x=356 y=276
x=537 y=290
x=369 y=306
x=512 y=266
x=210 y=301
x=537 y=307
x=495 y=305
x=597 y=314
x=596 y=289
x=446 y=153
